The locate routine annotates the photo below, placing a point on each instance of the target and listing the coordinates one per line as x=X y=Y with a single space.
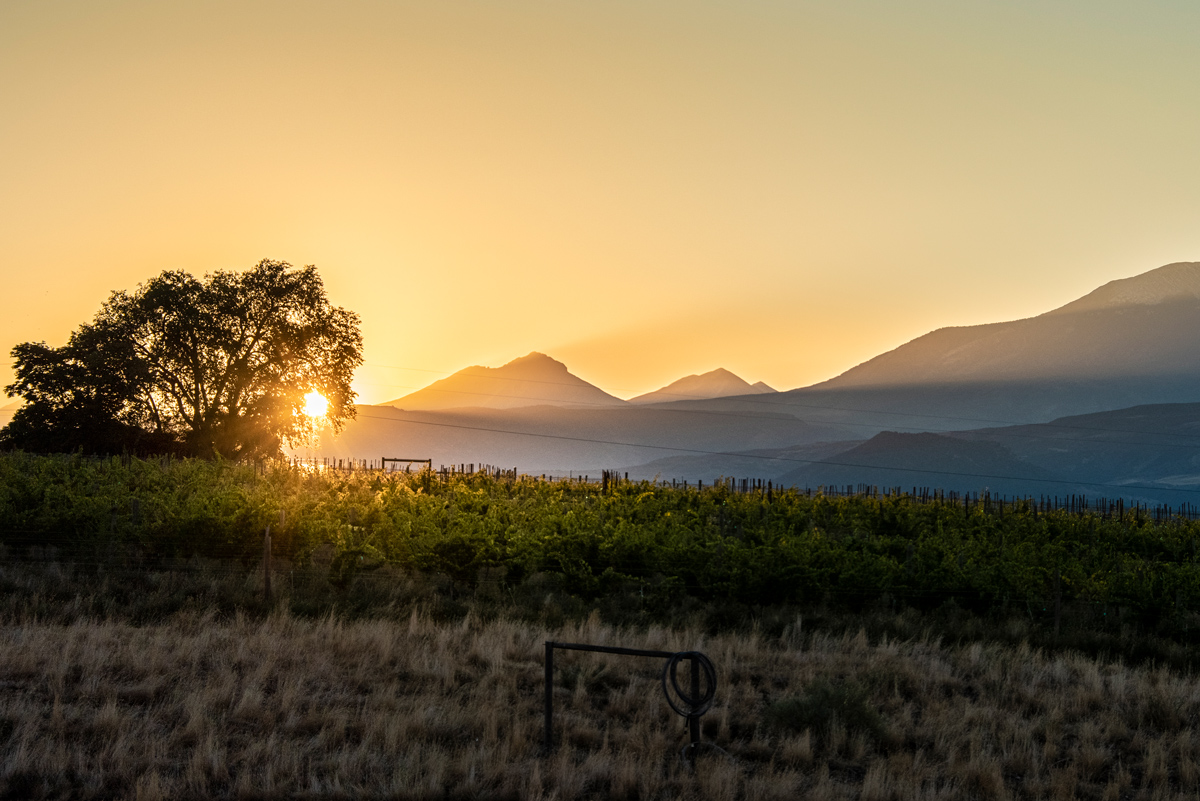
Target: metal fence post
x=549 y=696
x=693 y=719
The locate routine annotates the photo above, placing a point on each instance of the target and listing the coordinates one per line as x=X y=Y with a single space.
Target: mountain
x=533 y=380
x=891 y=459
x=1143 y=446
x=1015 y=404
x=1129 y=343
x=764 y=463
x=1145 y=326
x=1144 y=453
x=717 y=383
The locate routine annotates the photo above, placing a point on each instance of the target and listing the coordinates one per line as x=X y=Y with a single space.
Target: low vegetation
x=866 y=648
x=279 y=707
x=648 y=552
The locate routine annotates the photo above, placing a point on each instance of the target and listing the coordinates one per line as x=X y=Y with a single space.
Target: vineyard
x=655 y=549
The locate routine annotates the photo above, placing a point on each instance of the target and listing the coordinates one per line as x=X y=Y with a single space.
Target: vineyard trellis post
x=383 y=462
x=267 y=556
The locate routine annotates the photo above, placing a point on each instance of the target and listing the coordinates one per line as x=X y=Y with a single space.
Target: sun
x=315 y=404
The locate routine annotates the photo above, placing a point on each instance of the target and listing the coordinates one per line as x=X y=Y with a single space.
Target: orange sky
x=640 y=189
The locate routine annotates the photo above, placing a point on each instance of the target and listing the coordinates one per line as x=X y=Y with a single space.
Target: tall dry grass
x=196 y=707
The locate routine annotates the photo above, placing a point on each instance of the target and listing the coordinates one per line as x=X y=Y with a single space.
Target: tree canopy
x=203 y=367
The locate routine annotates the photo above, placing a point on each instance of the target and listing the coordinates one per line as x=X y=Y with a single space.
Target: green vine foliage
x=711 y=544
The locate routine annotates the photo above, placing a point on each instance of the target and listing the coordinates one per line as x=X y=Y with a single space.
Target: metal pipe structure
x=690 y=705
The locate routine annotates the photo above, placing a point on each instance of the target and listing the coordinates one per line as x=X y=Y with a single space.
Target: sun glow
x=315 y=404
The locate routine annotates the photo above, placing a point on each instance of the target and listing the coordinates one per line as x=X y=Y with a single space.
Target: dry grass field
x=279 y=707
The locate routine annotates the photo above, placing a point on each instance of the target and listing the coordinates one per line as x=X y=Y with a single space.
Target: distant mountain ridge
x=1178 y=281
x=532 y=380
x=1145 y=453
x=718 y=383
x=1129 y=342
x=1134 y=327
x=930 y=460
x=1004 y=405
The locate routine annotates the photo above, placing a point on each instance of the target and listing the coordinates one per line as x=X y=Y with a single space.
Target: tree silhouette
x=212 y=366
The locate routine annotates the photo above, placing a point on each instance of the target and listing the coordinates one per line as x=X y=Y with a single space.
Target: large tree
x=212 y=366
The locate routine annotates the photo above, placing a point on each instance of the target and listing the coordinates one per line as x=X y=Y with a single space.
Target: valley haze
x=1096 y=397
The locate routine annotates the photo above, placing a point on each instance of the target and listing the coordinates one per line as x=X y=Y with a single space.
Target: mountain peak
x=1178 y=281
x=531 y=362
x=534 y=357
x=531 y=380
x=718 y=383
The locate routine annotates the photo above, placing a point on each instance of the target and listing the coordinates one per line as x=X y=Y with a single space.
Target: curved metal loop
x=691 y=707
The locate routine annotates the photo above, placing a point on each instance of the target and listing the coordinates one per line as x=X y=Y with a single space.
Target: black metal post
x=694 y=720
x=695 y=706
x=549 y=696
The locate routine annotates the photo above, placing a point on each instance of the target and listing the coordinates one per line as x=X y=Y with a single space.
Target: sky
x=642 y=190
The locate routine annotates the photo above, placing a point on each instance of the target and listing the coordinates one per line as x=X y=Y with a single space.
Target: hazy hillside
x=717 y=383
x=1147 y=453
x=764 y=463
x=931 y=460
x=1128 y=343
x=887 y=459
x=953 y=407
x=531 y=380
x=1156 y=445
x=545 y=438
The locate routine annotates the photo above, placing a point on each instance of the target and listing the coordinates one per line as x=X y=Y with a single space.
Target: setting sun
x=315 y=404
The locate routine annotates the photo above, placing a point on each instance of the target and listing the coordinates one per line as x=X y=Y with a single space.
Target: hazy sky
x=640 y=189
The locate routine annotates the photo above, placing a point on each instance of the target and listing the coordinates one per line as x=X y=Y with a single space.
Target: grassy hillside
x=198 y=707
